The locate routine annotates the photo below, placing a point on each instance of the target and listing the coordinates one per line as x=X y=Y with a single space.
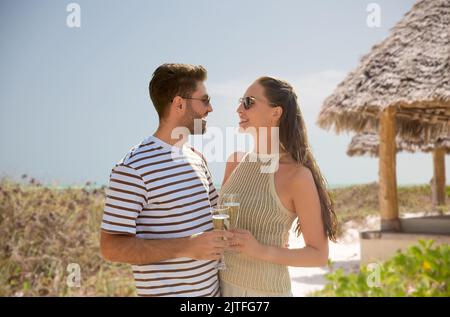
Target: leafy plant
x=422 y=270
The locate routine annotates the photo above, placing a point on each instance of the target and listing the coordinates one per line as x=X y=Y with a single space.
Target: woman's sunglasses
x=247 y=102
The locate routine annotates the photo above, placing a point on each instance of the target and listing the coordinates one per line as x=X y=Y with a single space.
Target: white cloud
x=229 y=89
x=312 y=88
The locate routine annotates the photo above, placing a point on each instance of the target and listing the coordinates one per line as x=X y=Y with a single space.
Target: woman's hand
x=243 y=241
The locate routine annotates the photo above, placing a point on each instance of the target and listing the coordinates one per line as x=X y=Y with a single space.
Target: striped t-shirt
x=158 y=191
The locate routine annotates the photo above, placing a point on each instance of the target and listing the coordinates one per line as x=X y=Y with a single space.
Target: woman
x=270 y=200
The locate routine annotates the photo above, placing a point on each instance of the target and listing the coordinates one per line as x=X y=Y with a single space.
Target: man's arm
x=129 y=249
x=125 y=198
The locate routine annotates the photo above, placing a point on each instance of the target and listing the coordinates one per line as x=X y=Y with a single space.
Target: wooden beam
x=387 y=171
x=438 y=183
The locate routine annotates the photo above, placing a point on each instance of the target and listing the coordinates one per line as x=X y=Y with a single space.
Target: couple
x=157 y=210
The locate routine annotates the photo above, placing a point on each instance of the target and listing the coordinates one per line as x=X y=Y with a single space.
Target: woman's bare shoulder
x=298 y=176
x=302 y=182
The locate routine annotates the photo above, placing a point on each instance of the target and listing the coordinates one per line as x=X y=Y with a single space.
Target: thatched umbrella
x=368 y=143
x=441 y=142
x=402 y=87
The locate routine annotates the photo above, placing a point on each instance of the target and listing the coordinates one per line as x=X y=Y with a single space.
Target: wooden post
x=438 y=184
x=387 y=171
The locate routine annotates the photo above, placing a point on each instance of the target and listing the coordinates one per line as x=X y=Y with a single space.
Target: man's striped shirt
x=158 y=191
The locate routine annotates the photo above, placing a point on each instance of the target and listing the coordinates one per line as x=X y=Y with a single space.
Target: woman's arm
x=307 y=207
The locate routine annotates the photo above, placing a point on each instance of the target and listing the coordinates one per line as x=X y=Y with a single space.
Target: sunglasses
x=247 y=102
x=206 y=100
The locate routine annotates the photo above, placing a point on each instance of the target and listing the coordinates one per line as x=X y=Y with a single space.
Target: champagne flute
x=221 y=221
x=232 y=201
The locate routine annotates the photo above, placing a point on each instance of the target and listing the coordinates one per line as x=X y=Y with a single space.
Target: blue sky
x=73 y=101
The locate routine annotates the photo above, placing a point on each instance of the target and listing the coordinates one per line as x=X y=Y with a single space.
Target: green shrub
x=43 y=230
x=422 y=270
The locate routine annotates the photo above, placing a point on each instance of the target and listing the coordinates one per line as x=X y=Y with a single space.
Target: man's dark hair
x=171 y=80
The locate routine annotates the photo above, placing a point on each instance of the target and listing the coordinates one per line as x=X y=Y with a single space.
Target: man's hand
x=208 y=245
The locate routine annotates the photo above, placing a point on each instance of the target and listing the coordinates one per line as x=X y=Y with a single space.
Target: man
x=157 y=210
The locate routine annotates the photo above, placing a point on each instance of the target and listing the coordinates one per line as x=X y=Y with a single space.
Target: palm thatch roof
x=409 y=70
x=442 y=142
x=368 y=143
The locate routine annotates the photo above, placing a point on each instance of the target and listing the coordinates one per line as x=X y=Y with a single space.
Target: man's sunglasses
x=247 y=102
x=206 y=100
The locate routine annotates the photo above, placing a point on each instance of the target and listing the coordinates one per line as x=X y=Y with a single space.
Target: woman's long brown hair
x=293 y=138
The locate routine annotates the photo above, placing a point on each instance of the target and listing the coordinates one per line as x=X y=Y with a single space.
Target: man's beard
x=194 y=121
